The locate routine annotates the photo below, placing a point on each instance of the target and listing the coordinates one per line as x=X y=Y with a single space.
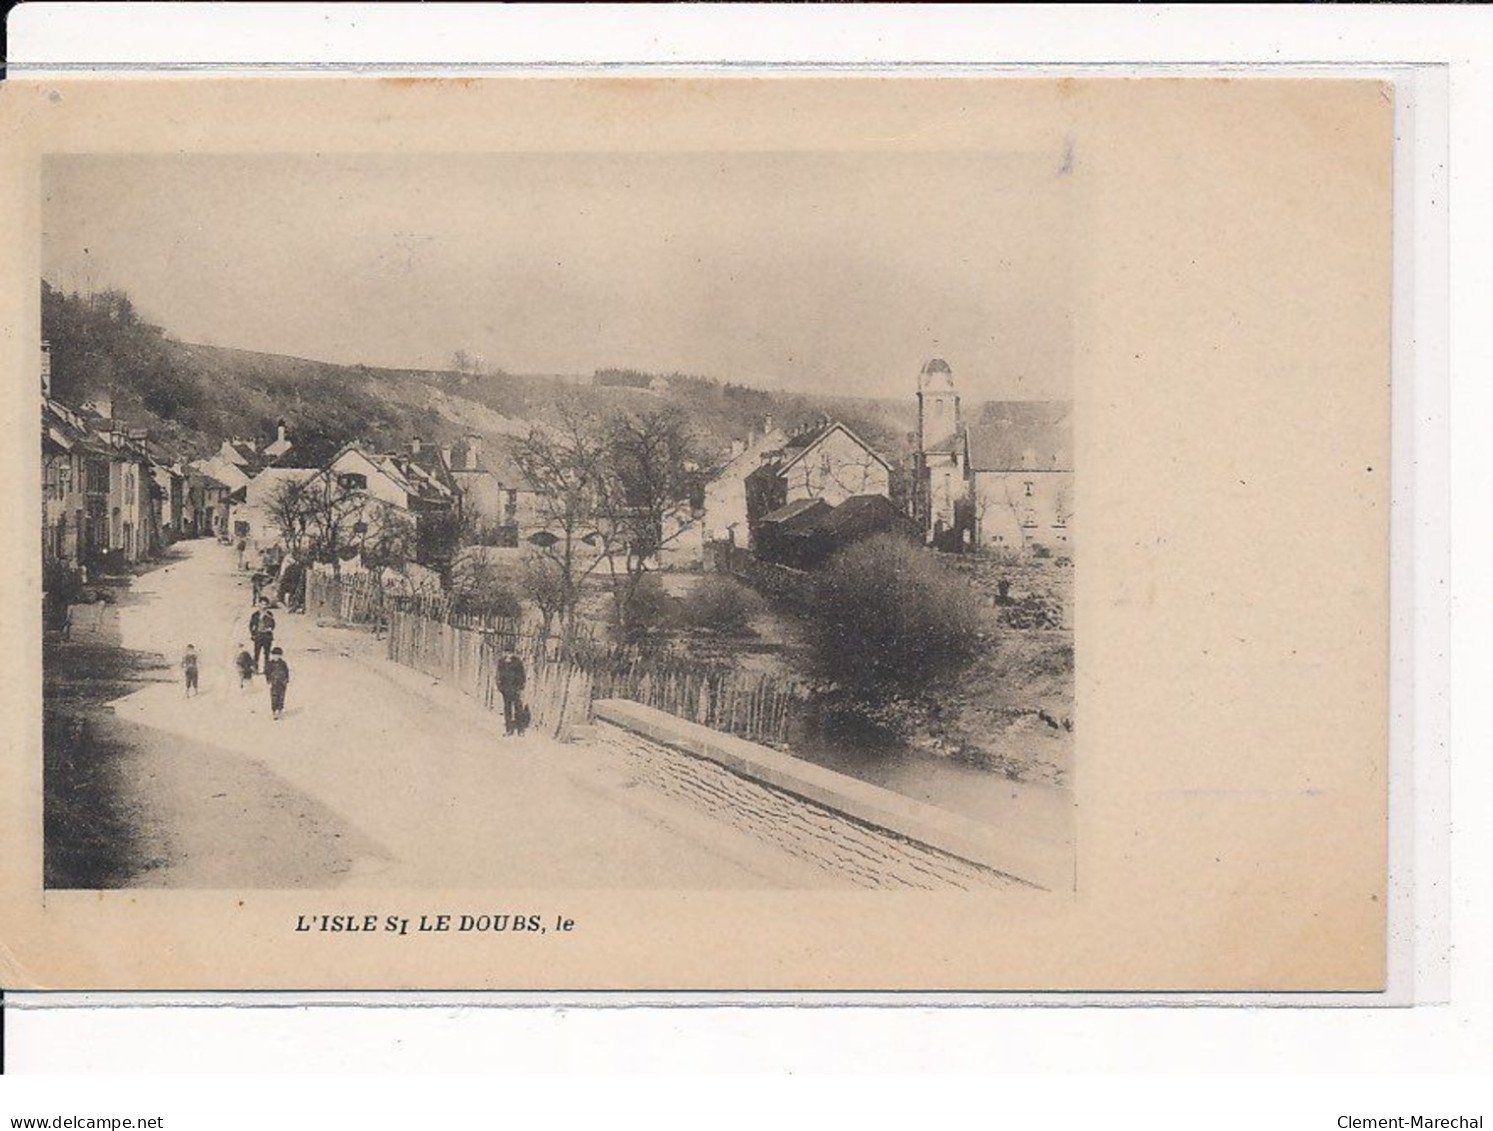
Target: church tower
x=938 y=406
x=940 y=457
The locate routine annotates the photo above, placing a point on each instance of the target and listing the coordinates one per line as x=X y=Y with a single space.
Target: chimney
x=415 y=446
x=46 y=369
x=446 y=454
x=737 y=447
x=767 y=424
x=280 y=430
x=474 y=452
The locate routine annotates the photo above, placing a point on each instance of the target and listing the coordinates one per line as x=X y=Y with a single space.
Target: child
x=277 y=673
x=245 y=664
x=189 y=666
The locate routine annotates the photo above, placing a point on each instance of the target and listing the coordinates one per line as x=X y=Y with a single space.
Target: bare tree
x=540 y=581
x=388 y=541
x=567 y=464
x=649 y=458
x=290 y=510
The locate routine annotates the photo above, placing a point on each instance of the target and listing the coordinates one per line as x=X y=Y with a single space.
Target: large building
x=1004 y=481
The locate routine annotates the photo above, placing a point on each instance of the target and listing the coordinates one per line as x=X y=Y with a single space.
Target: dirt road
x=367 y=781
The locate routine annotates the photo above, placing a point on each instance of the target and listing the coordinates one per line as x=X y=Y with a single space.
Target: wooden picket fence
x=356 y=599
x=563 y=678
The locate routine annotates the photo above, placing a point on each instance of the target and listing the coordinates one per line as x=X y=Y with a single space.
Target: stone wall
x=847 y=849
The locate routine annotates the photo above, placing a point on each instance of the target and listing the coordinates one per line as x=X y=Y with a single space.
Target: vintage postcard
x=774 y=533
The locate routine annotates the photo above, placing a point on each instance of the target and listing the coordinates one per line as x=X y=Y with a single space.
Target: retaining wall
x=874 y=836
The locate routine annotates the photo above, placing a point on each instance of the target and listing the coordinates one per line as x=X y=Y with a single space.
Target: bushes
x=722 y=605
x=889 y=616
x=484 y=588
x=647 y=611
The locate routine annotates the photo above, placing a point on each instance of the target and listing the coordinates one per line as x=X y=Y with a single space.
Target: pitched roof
x=800 y=512
x=1023 y=436
x=501 y=464
x=800 y=444
x=861 y=514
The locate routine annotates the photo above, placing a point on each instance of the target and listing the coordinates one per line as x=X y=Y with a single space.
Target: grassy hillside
x=191 y=396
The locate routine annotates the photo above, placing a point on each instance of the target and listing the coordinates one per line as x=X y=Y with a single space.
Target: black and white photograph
x=559 y=521
x=595 y=535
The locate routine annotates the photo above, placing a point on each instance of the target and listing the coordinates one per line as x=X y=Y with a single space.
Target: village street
x=372 y=779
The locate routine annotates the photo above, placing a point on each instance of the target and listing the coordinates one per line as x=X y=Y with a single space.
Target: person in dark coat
x=511 y=678
x=189 y=669
x=277 y=675
x=262 y=631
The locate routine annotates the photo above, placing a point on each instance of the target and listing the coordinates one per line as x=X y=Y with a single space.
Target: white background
x=1307 y=1066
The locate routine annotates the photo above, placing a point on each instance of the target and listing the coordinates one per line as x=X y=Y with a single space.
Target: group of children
x=276 y=670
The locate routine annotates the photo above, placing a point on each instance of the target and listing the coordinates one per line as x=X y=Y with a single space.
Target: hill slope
x=192 y=396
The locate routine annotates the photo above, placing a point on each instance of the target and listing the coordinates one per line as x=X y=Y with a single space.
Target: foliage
x=647 y=611
x=721 y=604
x=889 y=615
x=480 y=585
x=540 y=581
x=63 y=587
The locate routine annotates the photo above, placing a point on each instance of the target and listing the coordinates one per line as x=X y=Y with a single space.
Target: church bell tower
x=938 y=406
x=940 y=456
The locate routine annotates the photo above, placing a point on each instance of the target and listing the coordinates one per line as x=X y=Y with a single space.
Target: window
x=352 y=481
x=1028 y=486
x=1029 y=519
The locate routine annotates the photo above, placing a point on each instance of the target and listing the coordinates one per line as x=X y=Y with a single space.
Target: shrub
x=889 y=616
x=721 y=604
x=484 y=588
x=647 y=611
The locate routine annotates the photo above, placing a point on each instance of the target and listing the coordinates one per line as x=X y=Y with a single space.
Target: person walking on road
x=189 y=669
x=245 y=664
x=511 y=678
x=257 y=579
x=262 y=631
x=277 y=674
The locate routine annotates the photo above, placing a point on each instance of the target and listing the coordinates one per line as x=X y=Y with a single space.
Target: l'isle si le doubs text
x=434 y=924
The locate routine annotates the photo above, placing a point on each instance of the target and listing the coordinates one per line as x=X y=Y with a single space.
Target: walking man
x=277 y=674
x=262 y=631
x=257 y=580
x=189 y=668
x=511 y=678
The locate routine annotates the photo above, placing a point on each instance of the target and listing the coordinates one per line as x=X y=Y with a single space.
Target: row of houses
x=794 y=496
x=114 y=497
x=1004 y=482
x=111 y=496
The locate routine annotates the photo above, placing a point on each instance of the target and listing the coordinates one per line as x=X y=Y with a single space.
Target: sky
x=830 y=272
